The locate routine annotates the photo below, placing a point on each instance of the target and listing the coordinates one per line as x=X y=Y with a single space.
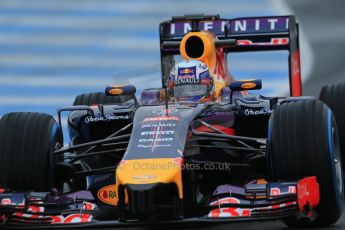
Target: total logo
x=115 y=91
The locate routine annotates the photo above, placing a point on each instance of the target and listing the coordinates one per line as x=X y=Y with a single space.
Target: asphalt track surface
x=324 y=27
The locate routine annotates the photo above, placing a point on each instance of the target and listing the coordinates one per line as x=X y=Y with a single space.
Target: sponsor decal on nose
x=107 y=195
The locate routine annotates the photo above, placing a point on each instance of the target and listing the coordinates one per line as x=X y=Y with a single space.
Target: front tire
x=303 y=141
x=27 y=141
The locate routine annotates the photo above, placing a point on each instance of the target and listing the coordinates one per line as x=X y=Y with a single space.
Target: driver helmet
x=190 y=81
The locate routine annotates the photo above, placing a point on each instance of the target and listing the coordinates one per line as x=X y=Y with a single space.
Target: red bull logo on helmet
x=186 y=76
x=187 y=70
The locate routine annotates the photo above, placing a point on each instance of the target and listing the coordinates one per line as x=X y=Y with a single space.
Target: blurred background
x=53 y=50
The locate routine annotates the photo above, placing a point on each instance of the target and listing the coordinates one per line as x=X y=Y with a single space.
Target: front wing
x=255 y=201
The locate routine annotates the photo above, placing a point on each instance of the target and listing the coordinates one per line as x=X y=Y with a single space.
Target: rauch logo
x=107 y=195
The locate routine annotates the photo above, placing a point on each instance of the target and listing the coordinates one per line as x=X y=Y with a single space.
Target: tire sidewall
x=330 y=208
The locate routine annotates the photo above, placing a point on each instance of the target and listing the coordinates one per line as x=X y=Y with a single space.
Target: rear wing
x=251 y=34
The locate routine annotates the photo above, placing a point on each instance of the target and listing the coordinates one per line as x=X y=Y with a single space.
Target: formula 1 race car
x=158 y=160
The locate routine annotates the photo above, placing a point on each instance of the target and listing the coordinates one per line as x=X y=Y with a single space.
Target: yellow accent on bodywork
x=209 y=57
x=149 y=171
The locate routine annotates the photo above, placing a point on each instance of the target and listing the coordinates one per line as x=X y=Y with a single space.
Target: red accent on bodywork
x=296 y=83
x=275 y=206
x=226 y=130
x=227 y=200
x=308 y=192
x=275 y=191
x=288 y=204
x=219 y=69
x=178 y=161
x=121 y=164
x=274 y=41
x=78 y=218
x=2 y=190
x=206 y=82
x=229 y=212
x=56 y=219
x=189 y=135
x=5 y=201
x=35 y=209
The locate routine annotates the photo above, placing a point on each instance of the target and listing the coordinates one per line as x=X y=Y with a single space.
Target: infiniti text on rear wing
x=251 y=34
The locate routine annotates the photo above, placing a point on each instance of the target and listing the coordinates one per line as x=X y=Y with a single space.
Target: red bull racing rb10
x=203 y=148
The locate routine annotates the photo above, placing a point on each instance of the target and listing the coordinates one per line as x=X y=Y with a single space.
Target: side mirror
x=240 y=85
x=118 y=90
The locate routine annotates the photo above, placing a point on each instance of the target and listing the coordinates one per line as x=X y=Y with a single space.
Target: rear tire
x=303 y=141
x=27 y=141
x=100 y=98
x=333 y=96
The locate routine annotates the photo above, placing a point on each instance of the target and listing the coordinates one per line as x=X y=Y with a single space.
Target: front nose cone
x=153 y=201
x=153 y=186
